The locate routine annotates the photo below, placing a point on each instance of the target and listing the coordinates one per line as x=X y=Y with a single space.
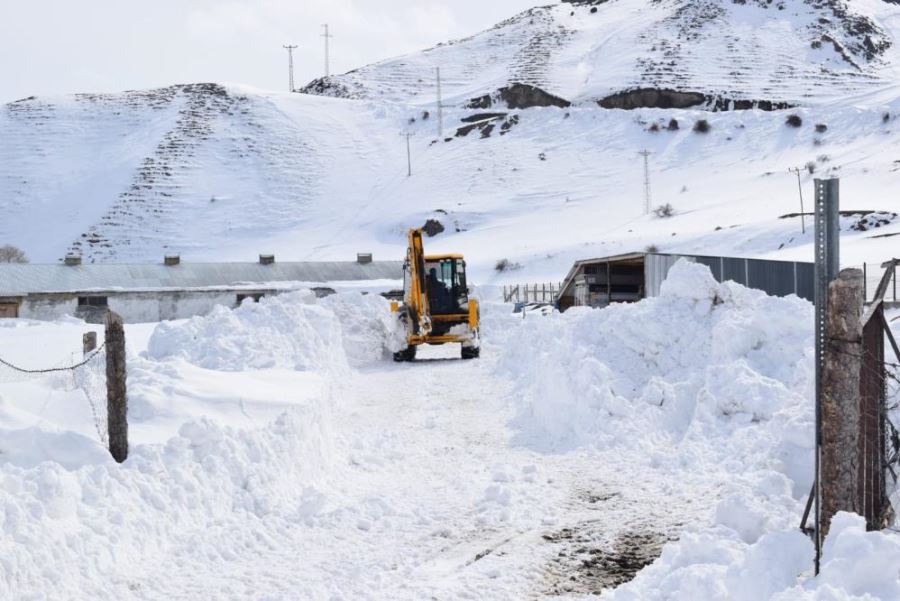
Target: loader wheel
x=408 y=354
x=470 y=352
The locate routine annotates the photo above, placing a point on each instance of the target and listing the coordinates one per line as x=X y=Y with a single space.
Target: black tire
x=470 y=352
x=407 y=354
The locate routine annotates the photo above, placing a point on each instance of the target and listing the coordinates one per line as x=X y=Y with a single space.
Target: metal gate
x=874 y=439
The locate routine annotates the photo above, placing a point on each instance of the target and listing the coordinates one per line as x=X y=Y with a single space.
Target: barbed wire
x=92 y=383
x=53 y=369
x=87 y=376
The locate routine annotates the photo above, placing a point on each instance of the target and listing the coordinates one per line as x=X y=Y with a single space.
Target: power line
x=646 y=154
x=327 y=37
x=290 y=50
x=408 y=135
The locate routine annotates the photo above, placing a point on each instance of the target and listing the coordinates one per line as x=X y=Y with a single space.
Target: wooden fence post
x=89 y=343
x=116 y=394
x=840 y=402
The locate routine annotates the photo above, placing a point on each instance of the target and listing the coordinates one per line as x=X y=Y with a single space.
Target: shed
x=633 y=276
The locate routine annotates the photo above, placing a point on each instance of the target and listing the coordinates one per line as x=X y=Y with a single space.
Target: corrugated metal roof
x=21 y=279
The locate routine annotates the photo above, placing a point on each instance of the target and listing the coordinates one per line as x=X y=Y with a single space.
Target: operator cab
x=445 y=283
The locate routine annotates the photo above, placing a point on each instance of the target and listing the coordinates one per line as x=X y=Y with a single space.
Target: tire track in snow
x=431 y=500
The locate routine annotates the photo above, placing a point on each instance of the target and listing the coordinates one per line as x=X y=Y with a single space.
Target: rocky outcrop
x=652 y=98
x=486 y=123
x=328 y=86
x=675 y=99
x=518 y=96
x=432 y=227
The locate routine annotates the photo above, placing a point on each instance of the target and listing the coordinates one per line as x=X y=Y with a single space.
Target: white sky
x=66 y=46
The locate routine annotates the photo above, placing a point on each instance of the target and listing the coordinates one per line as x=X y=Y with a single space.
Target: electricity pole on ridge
x=800 y=187
x=327 y=36
x=290 y=50
x=646 y=154
x=408 y=135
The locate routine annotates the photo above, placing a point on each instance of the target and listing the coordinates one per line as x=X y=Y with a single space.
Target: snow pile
x=718 y=565
x=702 y=360
x=370 y=332
x=290 y=331
x=58 y=529
x=60 y=521
x=711 y=381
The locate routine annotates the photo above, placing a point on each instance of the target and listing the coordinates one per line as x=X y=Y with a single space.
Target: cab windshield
x=446 y=285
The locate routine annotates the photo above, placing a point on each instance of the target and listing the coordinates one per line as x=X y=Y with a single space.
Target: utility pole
x=800 y=187
x=646 y=154
x=290 y=50
x=440 y=106
x=408 y=135
x=327 y=36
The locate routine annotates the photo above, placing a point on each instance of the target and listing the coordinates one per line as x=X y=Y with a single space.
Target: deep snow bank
x=292 y=331
x=65 y=532
x=74 y=527
x=713 y=381
x=717 y=565
x=702 y=360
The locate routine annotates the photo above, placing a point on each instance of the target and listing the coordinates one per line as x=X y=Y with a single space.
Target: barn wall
x=134 y=307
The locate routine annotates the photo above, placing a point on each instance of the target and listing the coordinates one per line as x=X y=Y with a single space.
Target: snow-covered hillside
x=793 y=51
x=224 y=172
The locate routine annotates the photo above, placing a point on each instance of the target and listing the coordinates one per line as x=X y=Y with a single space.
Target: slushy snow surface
x=277 y=453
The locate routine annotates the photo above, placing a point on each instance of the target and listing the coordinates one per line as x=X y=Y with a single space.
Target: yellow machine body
x=436 y=308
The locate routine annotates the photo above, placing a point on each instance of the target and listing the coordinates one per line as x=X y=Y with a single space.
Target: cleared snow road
x=433 y=498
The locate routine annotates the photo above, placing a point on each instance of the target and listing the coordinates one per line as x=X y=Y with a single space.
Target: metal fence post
x=827 y=264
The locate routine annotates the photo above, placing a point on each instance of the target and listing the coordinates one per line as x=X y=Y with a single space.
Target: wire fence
x=76 y=373
x=532 y=293
x=873 y=274
x=879 y=441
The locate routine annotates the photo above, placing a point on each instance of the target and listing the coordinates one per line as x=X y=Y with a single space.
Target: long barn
x=172 y=289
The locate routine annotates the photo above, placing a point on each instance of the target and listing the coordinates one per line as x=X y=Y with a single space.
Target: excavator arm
x=417 y=293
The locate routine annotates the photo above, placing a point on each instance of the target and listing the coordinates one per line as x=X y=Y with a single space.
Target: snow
x=309 y=177
x=750 y=50
x=276 y=450
x=258 y=469
x=287 y=331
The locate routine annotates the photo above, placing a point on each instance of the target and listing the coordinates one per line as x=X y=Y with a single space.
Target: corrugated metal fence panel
x=656 y=268
x=806 y=281
x=778 y=278
x=734 y=270
x=714 y=264
x=774 y=277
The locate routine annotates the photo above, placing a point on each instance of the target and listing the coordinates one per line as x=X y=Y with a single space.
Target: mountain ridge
x=785 y=52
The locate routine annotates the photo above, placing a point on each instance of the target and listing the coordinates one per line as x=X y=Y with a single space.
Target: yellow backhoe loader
x=436 y=307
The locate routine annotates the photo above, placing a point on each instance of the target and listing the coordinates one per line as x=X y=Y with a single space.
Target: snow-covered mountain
x=224 y=172
x=713 y=52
